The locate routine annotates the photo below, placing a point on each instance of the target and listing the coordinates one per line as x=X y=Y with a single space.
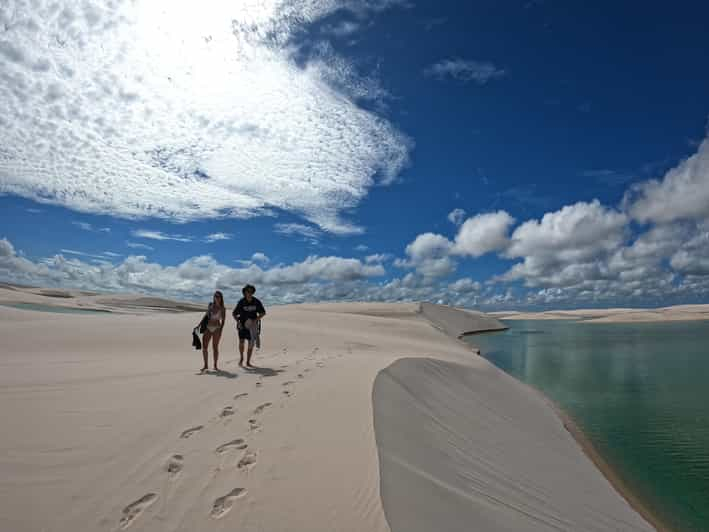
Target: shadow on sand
x=264 y=372
x=219 y=373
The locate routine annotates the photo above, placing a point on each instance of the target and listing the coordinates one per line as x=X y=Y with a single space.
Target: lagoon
x=640 y=393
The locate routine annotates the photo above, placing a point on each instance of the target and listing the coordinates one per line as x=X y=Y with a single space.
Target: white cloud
x=377 y=258
x=483 y=233
x=692 y=257
x=361 y=248
x=465 y=285
x=428 y=245
x=216 y=237
x=456 y=216
x=195 y=277
x=159 y=235
x=306 y=231
x=683 y=193
x=260 y=257
x=88 y=227
x=344 y=28
x=480 y=72
x=138 y=245
x=429 y=255
x=105 y=256
x=565 y=245
x=186 y=111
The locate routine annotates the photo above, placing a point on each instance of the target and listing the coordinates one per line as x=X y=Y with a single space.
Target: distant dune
x=614 y=315
x=85 y=300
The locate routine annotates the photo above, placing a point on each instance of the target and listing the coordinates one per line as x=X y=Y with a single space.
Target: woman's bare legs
x=216 y=336
x=205 y=342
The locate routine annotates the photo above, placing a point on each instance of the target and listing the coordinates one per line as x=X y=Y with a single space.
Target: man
x=248 y=314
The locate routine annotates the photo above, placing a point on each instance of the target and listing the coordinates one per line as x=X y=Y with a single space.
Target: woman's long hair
x=219 y=295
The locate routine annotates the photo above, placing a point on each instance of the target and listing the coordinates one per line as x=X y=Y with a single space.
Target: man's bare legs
x=241 y=351
x=249 y=352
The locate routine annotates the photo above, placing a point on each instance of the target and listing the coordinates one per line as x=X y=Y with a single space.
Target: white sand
x=97 y=411
x=614 y=315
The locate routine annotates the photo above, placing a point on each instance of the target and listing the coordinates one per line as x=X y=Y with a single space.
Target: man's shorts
x=244 y=333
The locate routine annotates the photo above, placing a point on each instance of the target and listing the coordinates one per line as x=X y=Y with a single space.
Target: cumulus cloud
x=480 y=72
x=195 y=277
x=692 y=257
x=260 y=257
x=159 y=235
x=683 y=193
x=483 y=234
x=185 y=111
x=216 y=237
x=564 y=245
x=429 y=254
x=456 y=216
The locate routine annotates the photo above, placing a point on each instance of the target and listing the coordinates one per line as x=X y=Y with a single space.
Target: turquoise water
x=640 y=392
x=50 y=308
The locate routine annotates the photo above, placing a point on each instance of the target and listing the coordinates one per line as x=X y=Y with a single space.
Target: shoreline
x=610 y=473
x=588 y=448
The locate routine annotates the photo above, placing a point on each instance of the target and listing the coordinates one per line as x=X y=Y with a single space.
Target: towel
x=254 y=327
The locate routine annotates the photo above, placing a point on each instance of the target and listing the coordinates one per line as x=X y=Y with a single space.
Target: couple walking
x=248 y=314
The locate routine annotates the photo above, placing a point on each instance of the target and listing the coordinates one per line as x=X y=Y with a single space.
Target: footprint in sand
x=240 y=396
x=288 y=393
x=261 y=408
x=259 y=384
x=189 y=432
x=254 y=424
x=320 y=364
x=174 y=464
x=247 y=462
x=134 y=509
x=227 y=411
x=301 y=376
x=238 y=443
x=288 y=383
x=223 y=504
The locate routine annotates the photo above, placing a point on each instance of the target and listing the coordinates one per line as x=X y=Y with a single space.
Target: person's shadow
x=264 y=372
x=219 y=373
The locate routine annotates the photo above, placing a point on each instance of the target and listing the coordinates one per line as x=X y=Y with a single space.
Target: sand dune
x=79 y=299
x=614 y=315
x=108 y=425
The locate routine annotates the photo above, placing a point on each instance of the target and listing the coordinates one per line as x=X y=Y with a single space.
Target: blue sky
x=518 y=154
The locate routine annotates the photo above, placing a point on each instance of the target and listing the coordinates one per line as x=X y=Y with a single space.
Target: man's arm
x=260 y=312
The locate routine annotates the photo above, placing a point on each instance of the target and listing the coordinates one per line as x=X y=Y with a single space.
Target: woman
x=216 y=316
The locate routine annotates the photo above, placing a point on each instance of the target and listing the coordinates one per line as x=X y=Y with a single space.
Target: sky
x=529 y=154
